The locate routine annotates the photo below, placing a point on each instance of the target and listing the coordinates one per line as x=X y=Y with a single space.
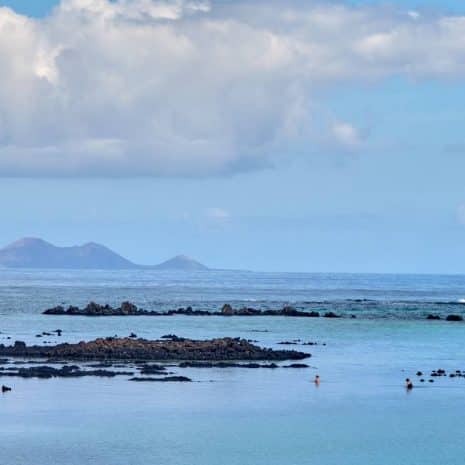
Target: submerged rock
x=331 y=315
x=153 y=370
x=178 y=379
x=226 y=365
x=454 y=318
x=173 y=337
x=68 y=371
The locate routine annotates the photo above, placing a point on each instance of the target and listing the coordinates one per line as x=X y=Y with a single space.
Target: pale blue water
x=361 y=414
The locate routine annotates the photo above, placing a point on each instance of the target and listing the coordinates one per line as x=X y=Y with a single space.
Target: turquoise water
x=361 y=413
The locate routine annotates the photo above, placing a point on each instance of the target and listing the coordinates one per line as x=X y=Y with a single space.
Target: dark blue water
x=370 y=295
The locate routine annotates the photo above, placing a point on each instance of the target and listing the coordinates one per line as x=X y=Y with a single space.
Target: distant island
x=36 y=253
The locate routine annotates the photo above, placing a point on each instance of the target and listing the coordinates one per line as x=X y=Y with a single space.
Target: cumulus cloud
x=192 y=88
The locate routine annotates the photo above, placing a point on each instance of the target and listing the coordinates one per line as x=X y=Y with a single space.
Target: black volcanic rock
x=173 y=337
x=153 y=370
x=95 y=309
x=142 y=349
x=227 y=310
x=296 y=365
x=331 y=315
x=454 y=318
x=226 y=365
x=129 y=309
x=67 y=371
x=166 y=379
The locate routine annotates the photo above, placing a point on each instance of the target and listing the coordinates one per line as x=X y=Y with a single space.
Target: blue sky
x=369 y=179
x=34 y=8
x=42 y=8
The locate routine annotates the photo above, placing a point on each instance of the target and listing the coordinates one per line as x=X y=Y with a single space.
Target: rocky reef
x=67 y=371
x=439 y=373
x=174 y=349
x=448 y=317
x=130 y=309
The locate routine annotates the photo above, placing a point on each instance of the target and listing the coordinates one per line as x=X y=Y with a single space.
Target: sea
x=360 y=413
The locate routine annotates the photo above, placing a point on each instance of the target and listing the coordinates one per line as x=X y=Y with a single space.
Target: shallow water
x=361 y=413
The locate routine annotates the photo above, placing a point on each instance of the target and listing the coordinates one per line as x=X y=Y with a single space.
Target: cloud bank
x=191 y=88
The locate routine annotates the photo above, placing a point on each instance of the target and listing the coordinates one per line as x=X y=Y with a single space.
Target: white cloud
x=168 y=88
x=218 y=214
x=413 y=14
x=346 y=135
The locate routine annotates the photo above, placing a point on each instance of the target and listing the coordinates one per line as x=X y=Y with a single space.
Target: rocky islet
x=135 y=354
x=130 y=309
x=173 y=349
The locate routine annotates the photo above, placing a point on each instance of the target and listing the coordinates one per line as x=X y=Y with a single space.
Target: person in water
x=408 y=384
x=317 y=380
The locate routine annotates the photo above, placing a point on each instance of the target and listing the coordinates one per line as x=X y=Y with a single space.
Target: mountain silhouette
x=33 y=252
x=181 y=262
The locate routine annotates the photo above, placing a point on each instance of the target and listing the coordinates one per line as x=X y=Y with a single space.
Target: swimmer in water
x=317 y=380
x=408 y=384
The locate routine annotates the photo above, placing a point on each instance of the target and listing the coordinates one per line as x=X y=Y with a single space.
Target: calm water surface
x=361 y=414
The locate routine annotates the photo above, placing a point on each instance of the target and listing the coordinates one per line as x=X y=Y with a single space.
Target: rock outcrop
x=129 y=309
x=143 y=349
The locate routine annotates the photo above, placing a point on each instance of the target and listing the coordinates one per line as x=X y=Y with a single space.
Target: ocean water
x=360 y=414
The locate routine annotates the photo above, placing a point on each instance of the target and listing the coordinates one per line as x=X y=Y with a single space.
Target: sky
x=290 y=135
